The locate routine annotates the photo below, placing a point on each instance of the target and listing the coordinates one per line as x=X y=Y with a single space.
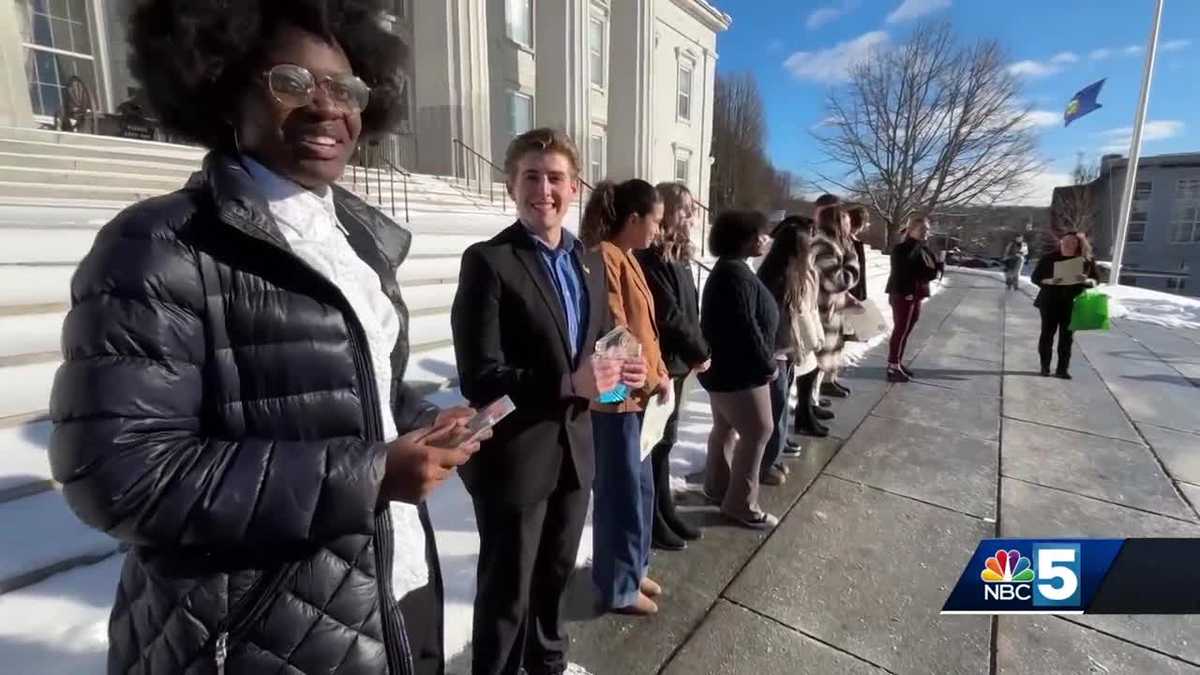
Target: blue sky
x=799 y=49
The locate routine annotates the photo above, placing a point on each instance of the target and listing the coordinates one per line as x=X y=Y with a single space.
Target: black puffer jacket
x=676 y=310
x=216 y=411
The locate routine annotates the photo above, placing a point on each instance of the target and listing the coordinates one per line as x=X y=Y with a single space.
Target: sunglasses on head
x=295 y=87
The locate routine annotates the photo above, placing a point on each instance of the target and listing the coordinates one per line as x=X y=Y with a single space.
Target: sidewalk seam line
x=904 y=496
x=807 y=635
x=1074 y=431
x=994 y=647
x=1156 y=355
x=1100 y=499
x=1126 y=640
x=1161 y=465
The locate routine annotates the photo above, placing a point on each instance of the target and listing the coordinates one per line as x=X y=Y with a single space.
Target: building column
x=629 y=114
x=15 y=108
x=708 y=88
x=451 y=86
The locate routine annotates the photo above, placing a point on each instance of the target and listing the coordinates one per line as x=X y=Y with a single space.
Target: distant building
x=1162 y=249
x=630 y=80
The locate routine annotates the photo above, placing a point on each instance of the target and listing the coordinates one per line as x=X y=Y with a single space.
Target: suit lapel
x=526 y=252
x=593 y=275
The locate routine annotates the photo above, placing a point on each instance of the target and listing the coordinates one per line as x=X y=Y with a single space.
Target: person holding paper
x=1061 y=276
x=618 y=220
x=739 y=318
x=667 y=265
x=914 y=267
x=529 y=308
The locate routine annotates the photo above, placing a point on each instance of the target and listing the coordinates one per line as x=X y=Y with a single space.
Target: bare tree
x=742 y=175
x=928 y=127
x=1075 y=206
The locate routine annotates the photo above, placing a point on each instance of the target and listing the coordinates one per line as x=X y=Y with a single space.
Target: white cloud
x=1132 y=50
x=833 y=65
x=1038 y=189
x=1175 y=45
x=830 y=13
x=1030 y=68
x=1135 y=50
x=1065 y=58
x=1043 y=118
x=914 y=9
x=1100 y=54
x=775 y=45
x=1117 y=140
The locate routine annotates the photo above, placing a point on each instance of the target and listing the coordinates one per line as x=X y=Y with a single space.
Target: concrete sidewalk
x=878 y=522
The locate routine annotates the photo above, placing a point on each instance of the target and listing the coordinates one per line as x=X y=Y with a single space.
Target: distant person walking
x=739 y=318
x=788 y=272
x=1014 y=260
x=667 y=266
x=1056 y=298
x=914 y=266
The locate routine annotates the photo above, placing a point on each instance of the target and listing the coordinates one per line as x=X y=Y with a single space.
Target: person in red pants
x=914 y=265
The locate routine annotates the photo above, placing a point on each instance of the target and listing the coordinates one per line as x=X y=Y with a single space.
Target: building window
x=598 y=50
x=1136 y=233
x=596 y=144
x=400 y=9
x=1176 y=284
x=683 y=163
x=58 y=48
x=520 y=21
x=686 y=71
x=1185 y=221
x=1129 y=280
x=520 y=113
x=1142 y=190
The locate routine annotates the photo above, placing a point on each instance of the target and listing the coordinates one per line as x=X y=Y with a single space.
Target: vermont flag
x=1082 y=103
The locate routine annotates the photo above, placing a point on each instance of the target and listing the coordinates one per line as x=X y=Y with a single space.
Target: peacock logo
x=1007 y=567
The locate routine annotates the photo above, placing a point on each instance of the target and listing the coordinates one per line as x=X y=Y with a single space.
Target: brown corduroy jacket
x=632 y=305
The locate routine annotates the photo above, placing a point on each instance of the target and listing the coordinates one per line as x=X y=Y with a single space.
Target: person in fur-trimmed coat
x=838 y=266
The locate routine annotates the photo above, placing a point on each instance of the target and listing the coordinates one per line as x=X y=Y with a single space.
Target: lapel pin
x=586 y=269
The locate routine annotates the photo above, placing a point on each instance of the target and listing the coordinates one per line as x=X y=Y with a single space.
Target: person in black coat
x=739 y=318
x=1056 y=299
x=913 y=267
x=231 y=404
x=530 y=305
x=859 y=224
x=667 y=266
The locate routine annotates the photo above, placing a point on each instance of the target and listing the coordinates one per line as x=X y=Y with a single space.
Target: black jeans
x=1056 y=318
x=660 y=458
x=779 y=412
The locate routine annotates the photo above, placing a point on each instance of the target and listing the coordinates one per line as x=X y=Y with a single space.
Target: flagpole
x=1135 y=151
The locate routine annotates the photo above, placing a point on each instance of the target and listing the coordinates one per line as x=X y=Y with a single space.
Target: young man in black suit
x=530 y=305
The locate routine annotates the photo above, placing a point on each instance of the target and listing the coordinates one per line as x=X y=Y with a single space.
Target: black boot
x=669 y=532
x=806 y=420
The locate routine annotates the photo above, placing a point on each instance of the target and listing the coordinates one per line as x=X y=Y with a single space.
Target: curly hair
x=609 y=208
x=194 y=58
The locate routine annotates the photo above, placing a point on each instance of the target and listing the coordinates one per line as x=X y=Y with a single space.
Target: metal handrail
x=480 y=162
x=364 y=156
x=703 y=225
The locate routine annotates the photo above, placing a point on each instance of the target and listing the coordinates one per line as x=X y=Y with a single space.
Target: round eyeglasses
x=294 y=86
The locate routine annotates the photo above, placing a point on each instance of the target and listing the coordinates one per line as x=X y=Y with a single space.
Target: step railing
x=468 y=158
x=368 y=167
x=705 y=221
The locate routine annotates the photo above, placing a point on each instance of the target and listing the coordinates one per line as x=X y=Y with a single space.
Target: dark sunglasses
x=294 y=86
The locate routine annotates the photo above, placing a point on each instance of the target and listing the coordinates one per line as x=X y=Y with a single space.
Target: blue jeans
x=779 y=412
x=623 y=514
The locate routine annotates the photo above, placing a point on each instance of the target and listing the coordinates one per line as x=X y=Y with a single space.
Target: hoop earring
x=236 y=144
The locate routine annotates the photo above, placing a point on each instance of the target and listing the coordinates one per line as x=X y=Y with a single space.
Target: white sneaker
x=761 y=521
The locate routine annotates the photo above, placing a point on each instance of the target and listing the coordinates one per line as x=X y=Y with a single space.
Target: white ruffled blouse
x=309 y=223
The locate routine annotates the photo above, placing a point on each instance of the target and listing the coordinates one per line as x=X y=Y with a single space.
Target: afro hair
x=195 y=57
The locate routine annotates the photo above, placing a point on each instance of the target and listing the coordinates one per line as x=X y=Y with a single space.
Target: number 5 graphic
x=1057 y=573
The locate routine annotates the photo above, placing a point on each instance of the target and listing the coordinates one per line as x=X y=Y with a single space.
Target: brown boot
x=643 y=606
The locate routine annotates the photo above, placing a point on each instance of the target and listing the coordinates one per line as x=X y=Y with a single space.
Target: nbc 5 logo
x=1050 y=578
x=1058 y=575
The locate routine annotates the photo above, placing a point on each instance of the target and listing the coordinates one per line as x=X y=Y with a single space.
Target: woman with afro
x=232 y=404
